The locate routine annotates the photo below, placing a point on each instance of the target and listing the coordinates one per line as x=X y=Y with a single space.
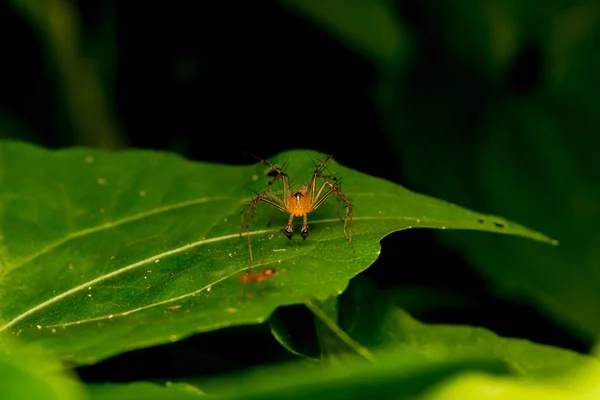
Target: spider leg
x=289 y=228
x=318 y=174
x=327 y=188
x=248 y=212
x=271 y=213
x=304 y=230
x=277 y=173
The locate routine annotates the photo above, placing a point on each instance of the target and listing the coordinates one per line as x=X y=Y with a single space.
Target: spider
x=299 y=203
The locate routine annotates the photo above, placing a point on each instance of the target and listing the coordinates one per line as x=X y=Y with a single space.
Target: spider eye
x=298 y=196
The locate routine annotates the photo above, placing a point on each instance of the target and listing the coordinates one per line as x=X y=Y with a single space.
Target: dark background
x=210 y=80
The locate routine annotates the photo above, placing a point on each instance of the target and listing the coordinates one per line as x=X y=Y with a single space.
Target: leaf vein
x=108 y=225
x=188 y=246
x=126 y=268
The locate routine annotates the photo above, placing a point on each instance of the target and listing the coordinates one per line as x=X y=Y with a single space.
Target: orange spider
x=299 y=203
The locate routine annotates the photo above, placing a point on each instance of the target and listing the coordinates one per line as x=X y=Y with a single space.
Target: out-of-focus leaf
x=59 y=28
x=569 y=41
x=550 y=179
x=484 y=36
x=31 y=373
x=373 y=320
x=336 y=346
x=103 y=253
x=532 y=157
x=530 y=165
x=580 y=384
x=12 y=127
x=371 y=324
x=371 y=27
x=145 y=391
x=475 y=386
x=399 y=374
x=293 y=327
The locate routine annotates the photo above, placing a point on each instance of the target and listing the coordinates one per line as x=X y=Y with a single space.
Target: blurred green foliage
x=511 y=127
x=83 y=67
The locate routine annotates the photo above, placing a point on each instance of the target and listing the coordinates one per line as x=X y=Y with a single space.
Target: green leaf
x=532 y=158
x=370 y=27
x=408 y=358
x=84 y=93
x=294 y=328
x=564 y=199
x=31 y=373
x=397 y=375
x=370 y=317
x=336 y=346
x=581 y=384
x=485 y=36
x=102 y=252
x=144 y=390
x=527 y=164
x=477 y=386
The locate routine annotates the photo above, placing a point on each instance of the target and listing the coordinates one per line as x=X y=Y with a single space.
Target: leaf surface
x=371 y=318
x=408 y=358
x=144 y=390
x=29 y=372
x=371 y=28
x=101 y=253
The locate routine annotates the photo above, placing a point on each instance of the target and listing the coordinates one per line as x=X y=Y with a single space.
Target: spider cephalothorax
x=299 y=203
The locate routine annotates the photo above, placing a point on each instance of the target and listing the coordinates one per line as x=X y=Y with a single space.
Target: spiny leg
x=322 y=196
x=268 y=197
x=248 y=212
x=318 y=174
x=304 y=230
x=276 y=173
x=289 y=228
x=271 y=213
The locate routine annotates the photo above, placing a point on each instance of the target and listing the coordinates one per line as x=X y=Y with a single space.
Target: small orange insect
x=249 y=277
x=173 y=308
x=299 y=203
x=256 y=277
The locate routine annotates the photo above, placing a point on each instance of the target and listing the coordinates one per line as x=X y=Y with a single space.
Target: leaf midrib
x=142 y=215
x=106 y=225
x=116 y=272
x=112 y=224
x=134 y=310
x=149 y=260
